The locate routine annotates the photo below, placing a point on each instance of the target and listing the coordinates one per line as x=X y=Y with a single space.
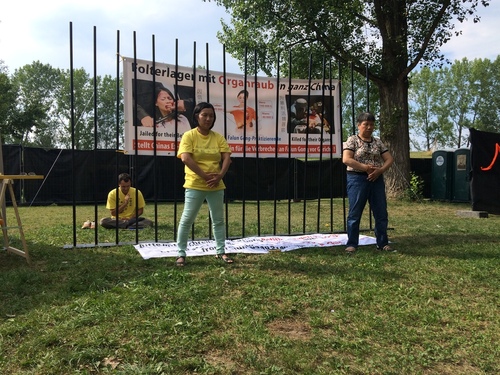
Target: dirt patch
x=223 y=362
x=449 y=369
x=293 y=329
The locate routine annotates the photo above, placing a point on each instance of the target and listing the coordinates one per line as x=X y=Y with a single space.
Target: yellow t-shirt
x=206 y=152
x=130 y=209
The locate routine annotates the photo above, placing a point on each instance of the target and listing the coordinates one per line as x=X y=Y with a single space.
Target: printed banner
x=250 y=245
x=259 y=116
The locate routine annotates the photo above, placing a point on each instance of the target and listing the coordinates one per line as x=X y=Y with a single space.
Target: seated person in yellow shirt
x=126 y=206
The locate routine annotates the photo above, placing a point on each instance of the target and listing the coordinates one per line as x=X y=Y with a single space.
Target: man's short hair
x=124 y=177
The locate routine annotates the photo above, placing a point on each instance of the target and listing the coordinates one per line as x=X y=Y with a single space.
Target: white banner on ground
x=250 y=245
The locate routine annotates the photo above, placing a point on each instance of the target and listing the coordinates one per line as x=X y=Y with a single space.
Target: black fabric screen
x=161 y=178
x=485 y=181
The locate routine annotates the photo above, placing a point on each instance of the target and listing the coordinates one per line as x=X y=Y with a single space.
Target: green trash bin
x=442 y=175
x=461 y=175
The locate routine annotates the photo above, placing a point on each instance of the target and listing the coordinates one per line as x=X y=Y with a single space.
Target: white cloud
x=478 y=40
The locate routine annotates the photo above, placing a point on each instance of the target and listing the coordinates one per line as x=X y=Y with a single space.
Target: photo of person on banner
x=308 y=119
x=160 y=108
x=318 y=110
x=166 y=113
x=241 y=119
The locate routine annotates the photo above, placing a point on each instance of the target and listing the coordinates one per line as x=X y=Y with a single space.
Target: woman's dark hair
x=200 y=107
x=243 y=92
x=174 y=113
x=160 y=89
x=365 y=116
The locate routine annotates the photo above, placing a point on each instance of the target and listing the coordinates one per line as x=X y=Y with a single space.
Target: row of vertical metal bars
x=227 y=205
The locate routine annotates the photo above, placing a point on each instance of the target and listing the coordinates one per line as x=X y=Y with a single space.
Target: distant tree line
x=35 y=108
x=445 y=102
x=35 y=105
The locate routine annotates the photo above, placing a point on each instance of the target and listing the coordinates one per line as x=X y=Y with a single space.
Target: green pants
x=193 y=200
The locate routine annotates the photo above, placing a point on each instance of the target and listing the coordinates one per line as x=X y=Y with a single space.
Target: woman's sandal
x=350 y=250
x=224 y=258
x=180 y=262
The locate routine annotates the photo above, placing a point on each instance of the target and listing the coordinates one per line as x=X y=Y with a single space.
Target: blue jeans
x=359 y=191
x=193 y=199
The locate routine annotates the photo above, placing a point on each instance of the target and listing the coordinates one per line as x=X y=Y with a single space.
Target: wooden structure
x=6 y=184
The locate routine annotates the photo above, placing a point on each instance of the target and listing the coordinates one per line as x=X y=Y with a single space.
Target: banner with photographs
x=259 y=116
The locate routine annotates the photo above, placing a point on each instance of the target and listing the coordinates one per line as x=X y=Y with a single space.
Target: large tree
x=429 y=110
x=391 y=37
x=461 y=98
x=8 y=96
x=107 y=133
x=485 y=86
x=37 y=86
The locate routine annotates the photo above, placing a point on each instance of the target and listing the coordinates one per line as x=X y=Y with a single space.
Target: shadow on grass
x=323 y=262
x=57 y=274
x=107 y=237
x=456 y=245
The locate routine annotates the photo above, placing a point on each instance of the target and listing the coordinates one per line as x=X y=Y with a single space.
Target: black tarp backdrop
x=93 y=186
x=247 y=178
x=485 y=164
x=12 y=164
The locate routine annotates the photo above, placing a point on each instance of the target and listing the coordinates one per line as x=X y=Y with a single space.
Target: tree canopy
x=36 y=105
x=384 y=39
x=445 y=102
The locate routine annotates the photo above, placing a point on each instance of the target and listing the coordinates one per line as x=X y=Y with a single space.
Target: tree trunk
x=394 y=132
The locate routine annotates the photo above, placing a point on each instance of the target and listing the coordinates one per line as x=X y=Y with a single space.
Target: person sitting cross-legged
x=129 y=208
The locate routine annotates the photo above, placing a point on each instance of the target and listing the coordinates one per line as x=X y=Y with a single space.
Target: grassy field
x=421 y=154
x=430 y=308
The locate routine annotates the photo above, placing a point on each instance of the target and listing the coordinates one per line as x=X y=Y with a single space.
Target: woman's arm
x=188 y=160
x=348 y=159
x=226 y=162
x=388 y=160
x=215 y=178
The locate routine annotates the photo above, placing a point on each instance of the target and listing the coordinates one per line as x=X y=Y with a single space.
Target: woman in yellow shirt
x=206 y=156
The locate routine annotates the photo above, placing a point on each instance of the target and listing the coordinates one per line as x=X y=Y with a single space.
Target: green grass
x=421 y=154
x=431 y=308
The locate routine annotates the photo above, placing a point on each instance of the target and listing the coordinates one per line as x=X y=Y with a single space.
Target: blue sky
x=33 y=30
